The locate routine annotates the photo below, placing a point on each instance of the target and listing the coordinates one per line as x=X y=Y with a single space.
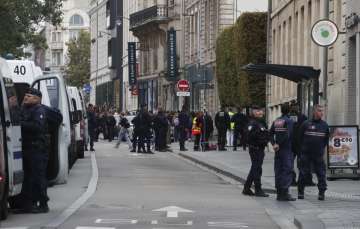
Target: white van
x=77 y=113
x=11 y=170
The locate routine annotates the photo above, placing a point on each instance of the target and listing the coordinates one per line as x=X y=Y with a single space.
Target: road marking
x=227 y=224
x=154 y=222
x=190 y=223
x=172 y=211
x=117 y=221
x=91 y=188
x=95 y=227
x=14 y=227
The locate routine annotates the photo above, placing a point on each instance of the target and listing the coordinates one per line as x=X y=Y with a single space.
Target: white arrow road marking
x=227 y=224
x=190 y=223
x=172 y=211
x=154 y=222
x=117 y=221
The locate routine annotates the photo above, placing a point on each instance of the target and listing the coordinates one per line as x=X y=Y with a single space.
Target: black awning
x=290 y=72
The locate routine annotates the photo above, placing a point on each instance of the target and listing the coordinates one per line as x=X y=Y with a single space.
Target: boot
x=285 y=196
x=301 y=194
x=248 y=192
x=260 y=193
x=321 y=195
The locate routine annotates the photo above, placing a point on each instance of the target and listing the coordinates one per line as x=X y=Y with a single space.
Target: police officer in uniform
x=258 y=139
x=183 y=128
x=313 y=137
x=222 y=123
x=281 y=139
x=34 y=142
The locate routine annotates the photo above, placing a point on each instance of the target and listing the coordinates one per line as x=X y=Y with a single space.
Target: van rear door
x=59 y=167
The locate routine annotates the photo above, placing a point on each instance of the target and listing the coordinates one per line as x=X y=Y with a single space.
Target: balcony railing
x=157 y=12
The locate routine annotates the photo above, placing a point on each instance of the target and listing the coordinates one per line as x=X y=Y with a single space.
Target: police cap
x=34 y=91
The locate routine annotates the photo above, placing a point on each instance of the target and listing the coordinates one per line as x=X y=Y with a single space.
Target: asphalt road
x=131 y=187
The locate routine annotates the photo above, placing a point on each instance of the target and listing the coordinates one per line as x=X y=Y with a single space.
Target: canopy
x=290 y=72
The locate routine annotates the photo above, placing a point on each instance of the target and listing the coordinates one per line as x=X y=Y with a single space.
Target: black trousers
x=257 y=157
x=182 y=137
x=221 y=138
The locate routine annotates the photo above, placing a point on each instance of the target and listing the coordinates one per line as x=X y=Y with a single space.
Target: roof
x=293 y=73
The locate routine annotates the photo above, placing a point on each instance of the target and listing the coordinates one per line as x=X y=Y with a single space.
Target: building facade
x=290 y=43
x=203 y=22
x=75 y=19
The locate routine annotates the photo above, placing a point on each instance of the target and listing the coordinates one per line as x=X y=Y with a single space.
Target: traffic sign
x=183 y=93
x=324 y=33
x=87 y=88
x=183 y=85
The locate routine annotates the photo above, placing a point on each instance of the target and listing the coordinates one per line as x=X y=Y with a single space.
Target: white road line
x=227 y=224
x=14 y=227
x=95 y=227
x=81 y=200
x=116 y=221
x=154 y=222
x=190 y=223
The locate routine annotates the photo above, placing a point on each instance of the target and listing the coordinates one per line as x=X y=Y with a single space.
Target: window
x=74 y=34
x=76 y=20
x=13 y=102
x=57 y=57
x=56 y=36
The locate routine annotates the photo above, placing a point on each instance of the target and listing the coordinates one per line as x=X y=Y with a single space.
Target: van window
x=13 y=102
x=53 y=90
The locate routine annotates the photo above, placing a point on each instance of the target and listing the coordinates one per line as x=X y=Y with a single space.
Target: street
x=130 y=187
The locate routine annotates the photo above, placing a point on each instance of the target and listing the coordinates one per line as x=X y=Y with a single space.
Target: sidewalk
x=341 y=209
x=61 y=197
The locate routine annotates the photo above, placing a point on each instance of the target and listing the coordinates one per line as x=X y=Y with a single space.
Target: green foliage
x=19 y=19
x=243 y=43
x=78 y=68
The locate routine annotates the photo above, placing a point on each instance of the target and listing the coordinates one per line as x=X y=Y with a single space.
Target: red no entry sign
x=183 y=85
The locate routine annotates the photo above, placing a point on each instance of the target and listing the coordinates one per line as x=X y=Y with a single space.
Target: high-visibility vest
x=195 y=130
x=232 y=124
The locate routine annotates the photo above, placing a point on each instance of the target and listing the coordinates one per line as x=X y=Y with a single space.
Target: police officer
x=161 y=126
x=313 y=137
x=183 y=128
x=281 y=139
x=34 y=142
x=92 y=125
x=258 y=139
x=240 y=123
x=222 y=123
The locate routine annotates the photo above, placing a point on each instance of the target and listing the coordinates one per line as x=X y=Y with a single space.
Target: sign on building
x=132 y=62
x=172 y=68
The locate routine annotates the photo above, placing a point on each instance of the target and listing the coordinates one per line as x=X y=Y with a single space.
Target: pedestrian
x=313 y=137
x=281 y=139
x=183 y=127
x=258 y=139
x=144 y=130
x=207 y=131
x=161 y=125
x=197 y=129
x=35 y=154
x=230 y=130
x=124 y=125
x=110 y=123
x=240 y=124
x=92 y=125
x=222 y=123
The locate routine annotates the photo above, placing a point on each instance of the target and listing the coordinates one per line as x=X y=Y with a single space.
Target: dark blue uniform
x=92 y=125
x=258 y=137
x=281 y=132
x=34 y=142
x=313 y=138
x=222 y=123
x=184 y=121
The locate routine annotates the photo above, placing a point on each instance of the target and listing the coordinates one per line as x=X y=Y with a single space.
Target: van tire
x=81 y=150
x=4 y=211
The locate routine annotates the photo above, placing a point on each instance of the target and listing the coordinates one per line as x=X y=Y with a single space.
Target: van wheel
x=4 y=211
x=81 y=150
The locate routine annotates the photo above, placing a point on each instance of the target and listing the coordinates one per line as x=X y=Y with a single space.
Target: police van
x=78 y=114
x=11 y=170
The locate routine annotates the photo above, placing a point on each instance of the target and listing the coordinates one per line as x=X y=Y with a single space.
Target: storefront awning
x=290 y=72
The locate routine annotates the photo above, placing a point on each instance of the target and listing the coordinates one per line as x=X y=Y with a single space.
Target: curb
x=221 y=171
x=308 y=221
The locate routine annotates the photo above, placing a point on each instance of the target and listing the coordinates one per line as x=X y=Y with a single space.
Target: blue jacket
x=314 y=136
x=282 y=132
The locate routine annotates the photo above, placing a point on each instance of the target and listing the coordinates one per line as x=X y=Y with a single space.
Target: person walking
x=258 y=139
x=313 y=138
x=281 y=139
x=110 y=123
x=240 y=124
x=35 y=154
x=124 y=132
x=230 y=130
x=222 y=123
x=207 y=131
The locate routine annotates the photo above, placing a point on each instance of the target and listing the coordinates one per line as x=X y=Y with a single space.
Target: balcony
x=56 y=45
x=157 y=13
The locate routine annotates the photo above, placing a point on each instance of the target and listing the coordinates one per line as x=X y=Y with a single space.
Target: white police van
x=11 y=170
x=78 y=114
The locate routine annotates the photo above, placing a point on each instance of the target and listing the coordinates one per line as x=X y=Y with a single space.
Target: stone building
x=75 y=19
x=203 y=21
x=290 y=43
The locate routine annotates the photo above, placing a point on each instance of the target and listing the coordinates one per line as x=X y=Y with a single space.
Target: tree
x=78 y=68
x=243 y=43
x=19 y=19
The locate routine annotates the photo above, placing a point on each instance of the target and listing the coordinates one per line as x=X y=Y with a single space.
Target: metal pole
x=325 y=57
x=97 y=51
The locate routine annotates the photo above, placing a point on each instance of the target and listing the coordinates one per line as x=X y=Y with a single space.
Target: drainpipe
x=268 y=53
x=325 y=59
